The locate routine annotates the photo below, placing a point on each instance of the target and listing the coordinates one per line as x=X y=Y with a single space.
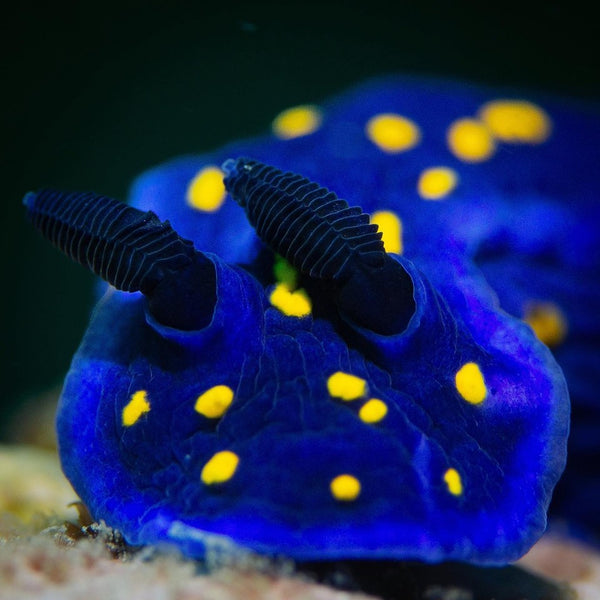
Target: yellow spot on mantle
x=345 y=487
x=454 y=482
x=470 y=140
x=373 y=411
x=547 y=321
x=135 y=408
x=392 y=133
x=214 y=402
x=220 y=468
x=291 y=303
x=297 y=121
x=436 y=183
x=346 y=386
x=206 y=192
x=470 y=383
x=516 y=121
x=390 y=226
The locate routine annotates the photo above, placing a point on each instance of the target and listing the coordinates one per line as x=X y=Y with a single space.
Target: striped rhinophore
x=130 y=249
x=308 y=224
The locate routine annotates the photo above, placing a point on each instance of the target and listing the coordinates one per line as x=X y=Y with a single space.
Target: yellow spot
x=470 y=140
x=284 y=272
x=390 y=226
x=135 y=408
x=206 y=191
x=373 y=411
x=436 y=183
x=345 y=487
x=297 y=121
x=454 y=482
x=214 y=402
x=392 y=133
x=291 y=303
x=470 y=383
x=346 y=386
x=547 y=321
x=516 y=121
x=220 y=468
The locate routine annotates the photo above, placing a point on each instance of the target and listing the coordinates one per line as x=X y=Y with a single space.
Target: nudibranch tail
x=325 y=239
x=130 y=249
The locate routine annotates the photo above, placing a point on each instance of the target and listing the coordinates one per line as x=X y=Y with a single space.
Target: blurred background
x=95 y=93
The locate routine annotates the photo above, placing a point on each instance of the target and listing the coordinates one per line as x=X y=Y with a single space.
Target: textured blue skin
x=529 y=204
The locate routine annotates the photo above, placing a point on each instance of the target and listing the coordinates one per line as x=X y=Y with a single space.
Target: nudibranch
x=334 y=347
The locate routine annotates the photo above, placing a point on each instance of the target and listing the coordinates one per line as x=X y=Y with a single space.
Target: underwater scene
x=337 y=340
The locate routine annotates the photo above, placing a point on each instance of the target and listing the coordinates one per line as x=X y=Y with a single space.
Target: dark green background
x=93 y=94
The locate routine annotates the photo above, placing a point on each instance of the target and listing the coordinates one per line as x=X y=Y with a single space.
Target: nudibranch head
x=299 y=385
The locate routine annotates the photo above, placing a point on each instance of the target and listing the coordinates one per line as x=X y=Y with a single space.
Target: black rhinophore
x=130 y=249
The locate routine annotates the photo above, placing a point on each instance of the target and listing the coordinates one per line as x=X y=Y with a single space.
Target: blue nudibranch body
x=300 y=413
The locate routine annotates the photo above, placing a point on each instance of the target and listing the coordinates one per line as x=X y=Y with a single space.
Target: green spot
x=284 y=272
